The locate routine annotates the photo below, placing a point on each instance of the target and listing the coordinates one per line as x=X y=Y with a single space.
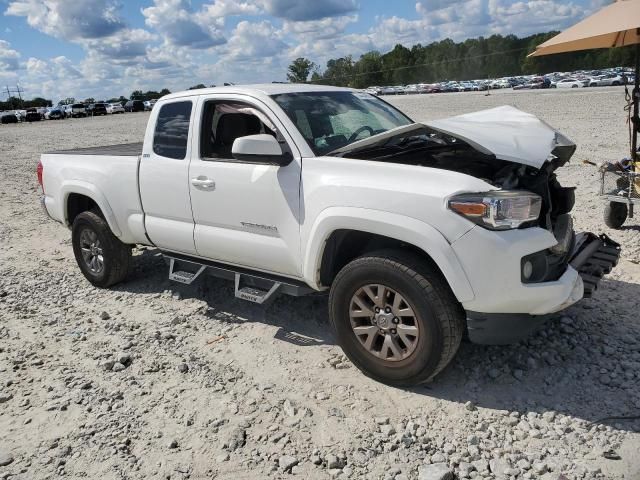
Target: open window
x=224 y=121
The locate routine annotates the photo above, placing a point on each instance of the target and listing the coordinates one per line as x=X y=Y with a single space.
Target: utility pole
x=14 y=91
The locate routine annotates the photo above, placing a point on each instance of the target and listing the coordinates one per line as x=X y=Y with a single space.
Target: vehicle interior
x=222 y=123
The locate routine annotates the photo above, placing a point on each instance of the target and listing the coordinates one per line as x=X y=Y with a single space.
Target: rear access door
x=164 y=176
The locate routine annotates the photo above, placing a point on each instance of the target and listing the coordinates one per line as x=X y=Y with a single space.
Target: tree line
x=472 y=59
x=13 y=103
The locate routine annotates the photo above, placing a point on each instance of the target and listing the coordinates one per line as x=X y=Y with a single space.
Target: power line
x=13 y=91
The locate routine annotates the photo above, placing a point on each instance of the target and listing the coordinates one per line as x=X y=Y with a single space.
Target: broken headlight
x=498 y=210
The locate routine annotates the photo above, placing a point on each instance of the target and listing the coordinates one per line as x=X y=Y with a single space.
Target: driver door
x=245 y=214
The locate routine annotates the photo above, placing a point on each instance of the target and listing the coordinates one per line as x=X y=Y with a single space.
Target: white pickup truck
x=421 y=233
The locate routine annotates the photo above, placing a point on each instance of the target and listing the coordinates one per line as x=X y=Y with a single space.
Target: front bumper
x=504 y=309
x=594 y=257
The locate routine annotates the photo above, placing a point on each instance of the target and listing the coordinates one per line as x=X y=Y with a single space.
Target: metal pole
x=635 y=120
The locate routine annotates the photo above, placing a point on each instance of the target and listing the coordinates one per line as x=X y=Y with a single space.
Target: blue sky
x=104 y=48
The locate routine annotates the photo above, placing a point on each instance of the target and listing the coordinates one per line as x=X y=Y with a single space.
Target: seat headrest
x=234 y=125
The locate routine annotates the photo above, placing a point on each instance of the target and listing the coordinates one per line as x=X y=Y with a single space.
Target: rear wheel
x=395 y=317
x=103 y=259
x=615 y=214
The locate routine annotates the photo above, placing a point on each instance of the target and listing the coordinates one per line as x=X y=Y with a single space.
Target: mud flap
x=593 y=257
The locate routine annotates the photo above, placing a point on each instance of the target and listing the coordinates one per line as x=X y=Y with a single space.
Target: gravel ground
x=155 y=380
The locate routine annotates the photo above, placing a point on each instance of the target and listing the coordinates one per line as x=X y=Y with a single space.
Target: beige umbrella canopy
x=614 y=26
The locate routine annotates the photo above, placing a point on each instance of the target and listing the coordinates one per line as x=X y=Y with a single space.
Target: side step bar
x=594 y=257
x=256 y=287
x=253 y=294
x=183 y=276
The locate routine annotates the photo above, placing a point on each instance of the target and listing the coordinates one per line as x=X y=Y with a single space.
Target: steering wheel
x=355 y=134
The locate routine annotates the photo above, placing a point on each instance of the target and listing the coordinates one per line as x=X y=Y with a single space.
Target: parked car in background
x=96 y=109
x=611 y=79
x=114 y=108
x=411 y=89
x=569 y=83
x=8 y=117
x=33 y=115
x=55 y=113
x=78 y=110
x=148 y=105
x=134 y=106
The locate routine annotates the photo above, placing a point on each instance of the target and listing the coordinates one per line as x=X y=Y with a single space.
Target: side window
x=223 y=122
x=172 y=130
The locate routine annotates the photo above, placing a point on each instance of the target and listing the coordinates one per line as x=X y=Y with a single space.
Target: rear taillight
x=39 y=170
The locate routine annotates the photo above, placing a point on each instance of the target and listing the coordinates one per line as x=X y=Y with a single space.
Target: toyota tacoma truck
x=421 y=233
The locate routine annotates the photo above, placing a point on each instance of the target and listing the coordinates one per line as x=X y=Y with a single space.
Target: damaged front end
x=515 y=152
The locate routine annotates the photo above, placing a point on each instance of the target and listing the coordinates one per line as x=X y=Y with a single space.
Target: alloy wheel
x=91 y=251
x=384 y=322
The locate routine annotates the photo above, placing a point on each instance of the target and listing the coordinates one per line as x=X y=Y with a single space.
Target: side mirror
x=261 y=148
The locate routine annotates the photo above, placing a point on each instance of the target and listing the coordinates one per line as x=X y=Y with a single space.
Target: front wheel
x=395 y=317
x=103 y=259
x=615 y=214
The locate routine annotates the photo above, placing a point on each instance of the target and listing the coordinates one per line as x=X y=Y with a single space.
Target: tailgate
x=593 y=257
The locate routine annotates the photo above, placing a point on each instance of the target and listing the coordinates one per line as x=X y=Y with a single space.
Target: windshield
x=332 y=120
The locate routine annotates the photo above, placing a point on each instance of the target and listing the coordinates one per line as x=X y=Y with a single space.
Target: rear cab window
x=172 y=130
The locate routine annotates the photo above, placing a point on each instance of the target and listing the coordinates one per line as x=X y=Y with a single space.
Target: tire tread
x=448 y=311
x=120 y=252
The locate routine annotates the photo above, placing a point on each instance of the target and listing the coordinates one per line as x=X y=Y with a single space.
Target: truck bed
x=119 y=150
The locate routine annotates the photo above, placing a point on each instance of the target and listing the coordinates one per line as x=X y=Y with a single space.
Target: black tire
x=615 y=214
x=116 y=256
x=438 y=315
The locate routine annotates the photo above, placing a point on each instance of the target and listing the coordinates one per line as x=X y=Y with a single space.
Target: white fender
x=89 y=190
x=399 y=227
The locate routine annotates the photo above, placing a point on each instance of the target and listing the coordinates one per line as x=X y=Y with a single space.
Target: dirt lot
x=217 y=388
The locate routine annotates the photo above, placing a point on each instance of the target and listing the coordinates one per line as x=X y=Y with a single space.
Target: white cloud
x=8 y=57
x=124 y=46
x=181 y=27
x=329 y=27
x=302 y=10
x=255 y=40
x=225 y=8
x=534 y=16
x=70 y=19
x=469 y=18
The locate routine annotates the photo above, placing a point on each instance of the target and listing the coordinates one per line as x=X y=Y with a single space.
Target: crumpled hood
x=509 y=134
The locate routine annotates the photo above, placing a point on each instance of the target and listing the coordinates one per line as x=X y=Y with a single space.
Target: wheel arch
x=82 y=196
x=341 y=234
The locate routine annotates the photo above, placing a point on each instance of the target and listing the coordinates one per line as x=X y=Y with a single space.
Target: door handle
x=203 y=182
